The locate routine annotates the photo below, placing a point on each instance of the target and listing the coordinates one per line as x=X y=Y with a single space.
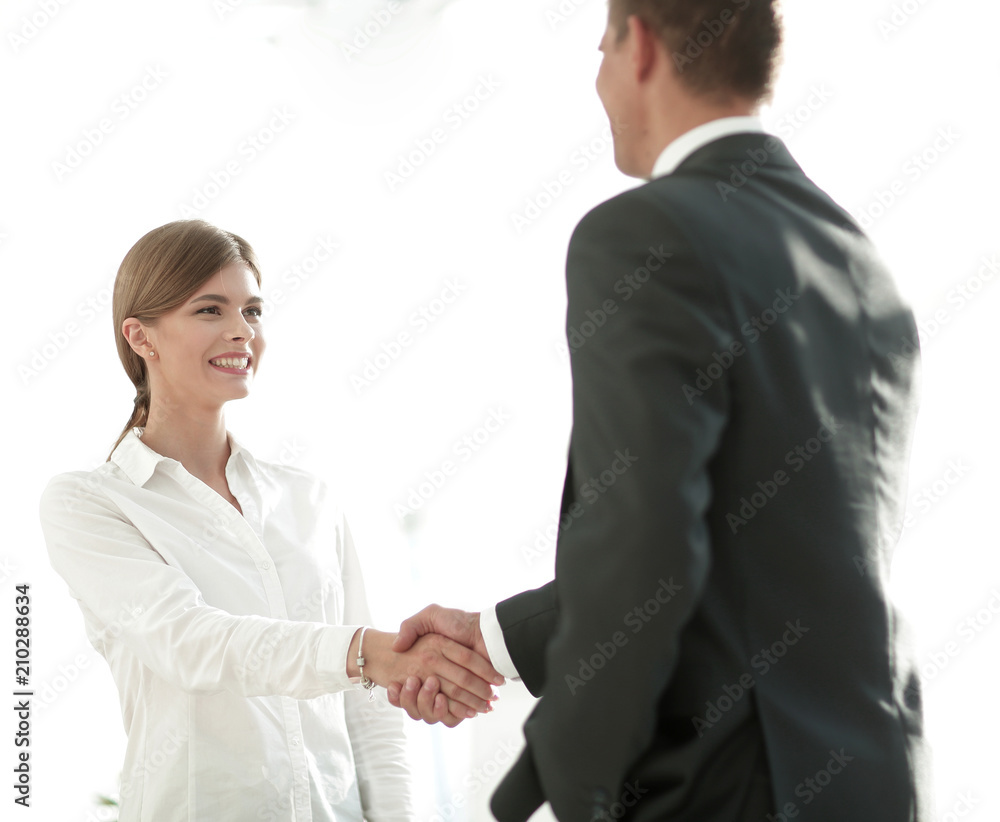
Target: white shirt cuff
x=495 y=645
x=332 y=656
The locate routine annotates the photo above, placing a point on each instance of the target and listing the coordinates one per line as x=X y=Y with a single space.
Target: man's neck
x=667 y=124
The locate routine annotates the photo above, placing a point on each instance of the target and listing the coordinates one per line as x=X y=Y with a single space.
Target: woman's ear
x=135 y=334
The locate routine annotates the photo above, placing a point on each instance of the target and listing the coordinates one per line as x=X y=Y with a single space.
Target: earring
x=152 y=353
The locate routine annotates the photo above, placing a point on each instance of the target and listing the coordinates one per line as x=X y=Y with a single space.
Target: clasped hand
x=436 y=668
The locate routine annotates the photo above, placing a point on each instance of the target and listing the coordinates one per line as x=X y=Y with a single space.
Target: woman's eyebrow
x=221 y=299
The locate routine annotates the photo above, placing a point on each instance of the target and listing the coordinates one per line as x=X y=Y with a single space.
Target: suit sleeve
x=643 y=316
x=528 y=621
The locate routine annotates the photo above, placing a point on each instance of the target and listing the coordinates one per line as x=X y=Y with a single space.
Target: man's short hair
x=720 y=48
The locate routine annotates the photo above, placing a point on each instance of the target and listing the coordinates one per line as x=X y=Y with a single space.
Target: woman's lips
x=231 y=365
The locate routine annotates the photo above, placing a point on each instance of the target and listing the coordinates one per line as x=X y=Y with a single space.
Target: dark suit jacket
x=718 y=643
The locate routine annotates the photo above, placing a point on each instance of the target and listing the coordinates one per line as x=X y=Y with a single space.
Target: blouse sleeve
x=132 y=595
x=375 y=728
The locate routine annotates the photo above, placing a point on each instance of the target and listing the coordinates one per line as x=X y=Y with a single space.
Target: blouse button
x=265 y=565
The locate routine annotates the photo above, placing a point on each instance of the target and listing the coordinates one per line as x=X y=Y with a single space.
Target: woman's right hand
x=465 y=677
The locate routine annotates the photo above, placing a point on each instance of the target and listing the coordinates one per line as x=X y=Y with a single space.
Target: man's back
x=808 y=483
x=762 y=379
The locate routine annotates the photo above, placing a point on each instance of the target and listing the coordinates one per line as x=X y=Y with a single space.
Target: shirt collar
x=138 y=460
x=688 y=143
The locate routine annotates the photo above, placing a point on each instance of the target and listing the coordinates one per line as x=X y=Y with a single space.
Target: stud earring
x=152 y=353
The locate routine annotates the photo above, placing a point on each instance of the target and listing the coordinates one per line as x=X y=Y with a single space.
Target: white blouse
x=226 y=636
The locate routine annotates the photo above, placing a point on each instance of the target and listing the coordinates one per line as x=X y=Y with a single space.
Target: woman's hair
x=158 y=274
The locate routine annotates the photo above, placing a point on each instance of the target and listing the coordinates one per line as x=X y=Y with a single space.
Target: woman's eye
x=214 y=309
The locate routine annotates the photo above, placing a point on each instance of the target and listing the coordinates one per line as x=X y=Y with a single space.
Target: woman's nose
x=241 y=331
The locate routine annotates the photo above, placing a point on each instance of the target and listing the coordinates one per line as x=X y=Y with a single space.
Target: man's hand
x=424 y=700
x=463 y=677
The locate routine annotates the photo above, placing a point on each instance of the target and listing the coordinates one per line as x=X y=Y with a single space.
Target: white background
x=866 y=86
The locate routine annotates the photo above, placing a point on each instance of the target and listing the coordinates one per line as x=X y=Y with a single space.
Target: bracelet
x=365 y=681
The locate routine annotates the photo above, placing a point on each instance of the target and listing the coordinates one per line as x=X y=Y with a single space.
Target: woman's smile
x=233 y=362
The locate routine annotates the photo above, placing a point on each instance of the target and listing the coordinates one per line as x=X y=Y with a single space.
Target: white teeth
x=231 y=362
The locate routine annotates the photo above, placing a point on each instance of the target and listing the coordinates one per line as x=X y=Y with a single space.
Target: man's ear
x=643 y=43
x=135 y=334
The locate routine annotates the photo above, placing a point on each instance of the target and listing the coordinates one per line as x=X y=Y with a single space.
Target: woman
x=224 y=591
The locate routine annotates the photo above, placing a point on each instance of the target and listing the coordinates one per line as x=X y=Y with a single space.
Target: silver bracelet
x=365 y=681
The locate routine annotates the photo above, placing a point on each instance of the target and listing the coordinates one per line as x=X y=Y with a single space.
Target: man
x=717 y=643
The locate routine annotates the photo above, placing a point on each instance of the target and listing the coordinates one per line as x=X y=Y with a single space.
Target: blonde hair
x=160 y=272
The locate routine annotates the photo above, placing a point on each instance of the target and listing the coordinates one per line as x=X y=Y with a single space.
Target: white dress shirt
x=688 y=143
x=226 y=636
x=669 y=159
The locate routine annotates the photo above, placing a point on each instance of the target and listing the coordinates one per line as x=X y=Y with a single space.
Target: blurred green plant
x=107 y=802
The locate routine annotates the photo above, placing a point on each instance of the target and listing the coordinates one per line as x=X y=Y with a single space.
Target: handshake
x=436 y=668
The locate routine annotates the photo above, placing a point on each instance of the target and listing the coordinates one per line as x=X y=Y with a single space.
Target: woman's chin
x=235 y=392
